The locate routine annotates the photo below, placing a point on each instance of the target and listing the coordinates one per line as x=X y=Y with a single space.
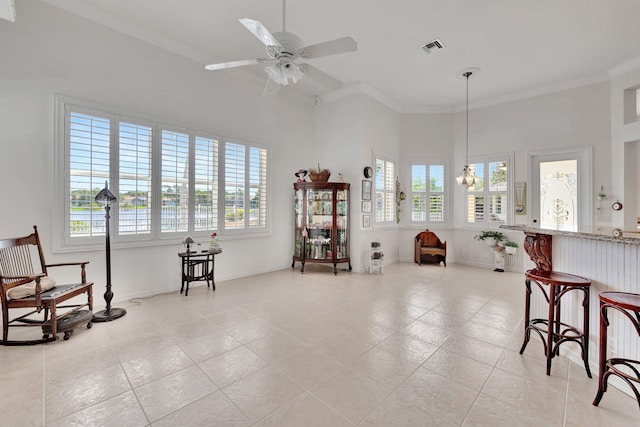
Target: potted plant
x=376 y=251
x=491 y=238
x=511 y=247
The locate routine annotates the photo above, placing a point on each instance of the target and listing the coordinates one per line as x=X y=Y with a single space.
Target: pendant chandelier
x=467 y=179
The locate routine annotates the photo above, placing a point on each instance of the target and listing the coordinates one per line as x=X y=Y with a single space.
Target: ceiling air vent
x=432 y=46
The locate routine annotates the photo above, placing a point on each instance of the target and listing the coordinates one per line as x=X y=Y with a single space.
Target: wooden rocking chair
x=26 y=286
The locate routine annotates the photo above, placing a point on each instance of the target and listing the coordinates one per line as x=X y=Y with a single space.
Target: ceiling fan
x=282 y=50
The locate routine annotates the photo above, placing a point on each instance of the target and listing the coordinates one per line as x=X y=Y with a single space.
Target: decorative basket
x=321 y=176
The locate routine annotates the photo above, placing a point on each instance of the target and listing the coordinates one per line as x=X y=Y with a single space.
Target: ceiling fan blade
x=271 y=88
x=260 y=31
x=332 y=47
x=321 y=77
x=233 y=64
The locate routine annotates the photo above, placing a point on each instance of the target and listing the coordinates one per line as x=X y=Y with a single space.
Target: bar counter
x=609 y=257
x=605 y=234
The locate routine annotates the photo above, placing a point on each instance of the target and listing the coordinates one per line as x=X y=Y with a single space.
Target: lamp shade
x=188 y=240
x=105 y=196
x=466 y=179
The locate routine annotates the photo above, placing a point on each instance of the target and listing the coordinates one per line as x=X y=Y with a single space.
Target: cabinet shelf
x=321 y=212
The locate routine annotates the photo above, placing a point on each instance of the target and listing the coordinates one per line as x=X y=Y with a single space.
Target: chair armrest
x=64 y=264
x=23 y=280
x=83 y=273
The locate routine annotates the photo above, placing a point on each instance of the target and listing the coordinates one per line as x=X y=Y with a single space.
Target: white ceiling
x=521 y=46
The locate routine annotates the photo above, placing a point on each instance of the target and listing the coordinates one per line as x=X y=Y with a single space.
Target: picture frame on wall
x=366 y=206
x=366 y=221
x=366 y=189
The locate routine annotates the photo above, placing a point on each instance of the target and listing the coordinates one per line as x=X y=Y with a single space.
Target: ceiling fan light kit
x=282 y=49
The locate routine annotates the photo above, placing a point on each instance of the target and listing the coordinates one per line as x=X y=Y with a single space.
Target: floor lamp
x=109 y=313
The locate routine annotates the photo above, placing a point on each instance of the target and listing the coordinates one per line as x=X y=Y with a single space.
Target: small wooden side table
x=197 y=267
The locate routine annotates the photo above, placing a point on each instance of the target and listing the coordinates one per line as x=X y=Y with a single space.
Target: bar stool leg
x=585 y=331
x=602 y=363
x=552 y=326
x=527 y=305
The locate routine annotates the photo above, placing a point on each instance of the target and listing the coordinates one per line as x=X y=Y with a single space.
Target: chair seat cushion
x=29 y=289
x=433 y=251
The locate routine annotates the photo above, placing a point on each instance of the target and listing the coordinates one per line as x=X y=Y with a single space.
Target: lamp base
x=109 y=315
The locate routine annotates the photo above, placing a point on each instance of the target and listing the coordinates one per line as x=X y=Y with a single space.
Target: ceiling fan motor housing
x=291 y=43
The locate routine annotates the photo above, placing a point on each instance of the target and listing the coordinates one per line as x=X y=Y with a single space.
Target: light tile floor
x=423 y=346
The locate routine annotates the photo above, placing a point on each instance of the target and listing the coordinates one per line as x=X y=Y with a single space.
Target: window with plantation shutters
x=89 y=151
x=245 y=187
x=257 y=187
x=427 y=193
x=385 y=192
x=168 y=182
x=134 y=179
x=234 y=185
x=205 y=171
x=487 y=200
x=175 y=182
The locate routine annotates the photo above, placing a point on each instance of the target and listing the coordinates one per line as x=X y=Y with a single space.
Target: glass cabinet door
x=319 y=223
x=298 y=215
x=342 y=216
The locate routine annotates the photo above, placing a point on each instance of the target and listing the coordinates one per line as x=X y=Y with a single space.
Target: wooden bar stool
x=629 y=371
x=552 y=330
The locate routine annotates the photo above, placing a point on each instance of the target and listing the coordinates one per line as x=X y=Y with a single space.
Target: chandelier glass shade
x=467 y=179
x=284 y=72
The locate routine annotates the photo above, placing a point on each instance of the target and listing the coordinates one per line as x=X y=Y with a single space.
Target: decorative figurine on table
x=214 y=244
x=301 y=174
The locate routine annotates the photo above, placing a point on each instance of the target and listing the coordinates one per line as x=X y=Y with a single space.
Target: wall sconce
x=602 y=196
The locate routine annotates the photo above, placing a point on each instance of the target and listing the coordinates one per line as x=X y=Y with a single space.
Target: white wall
x=577 y=117
x=625 y=136
x=48 y=51
x=349 y=131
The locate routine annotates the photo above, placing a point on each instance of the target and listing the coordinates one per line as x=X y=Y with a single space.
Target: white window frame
x=246 y=228
x=445 y=192
x=486 y=160
x=63 y=242
x=389 y=191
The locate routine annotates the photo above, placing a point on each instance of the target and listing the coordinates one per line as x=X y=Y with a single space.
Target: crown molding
x=538 y=91
x=625 y=67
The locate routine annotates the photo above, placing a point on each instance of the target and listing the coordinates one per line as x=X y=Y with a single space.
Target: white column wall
x=349 y=132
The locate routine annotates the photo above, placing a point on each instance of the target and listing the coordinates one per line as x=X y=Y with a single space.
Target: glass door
x=319 y=223
x=342 y=217
x=298 y=215
x=561 y=189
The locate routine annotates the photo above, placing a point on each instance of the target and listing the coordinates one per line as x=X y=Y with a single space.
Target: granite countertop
x=605 y=234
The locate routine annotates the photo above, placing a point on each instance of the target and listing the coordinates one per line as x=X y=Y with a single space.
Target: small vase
x=214 y=246
x=510 y=250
